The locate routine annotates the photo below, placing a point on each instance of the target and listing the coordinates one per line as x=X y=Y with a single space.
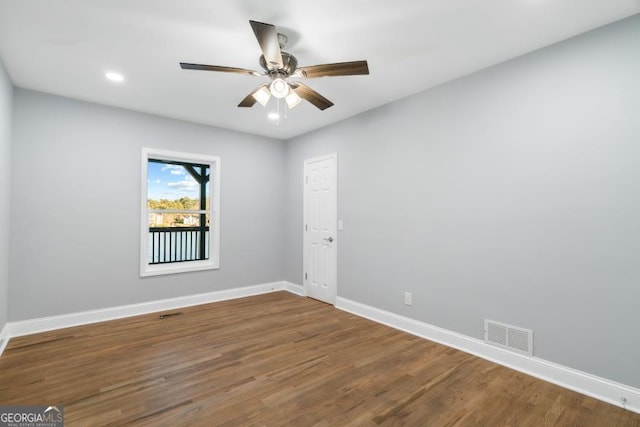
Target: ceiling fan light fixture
x=279 y=88
x=293 y=99
x=262 y=95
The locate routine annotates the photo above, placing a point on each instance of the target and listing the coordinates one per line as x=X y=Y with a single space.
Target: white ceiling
x=65 y=47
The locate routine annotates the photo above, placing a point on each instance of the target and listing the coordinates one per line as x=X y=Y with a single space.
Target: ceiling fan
x=278 y=66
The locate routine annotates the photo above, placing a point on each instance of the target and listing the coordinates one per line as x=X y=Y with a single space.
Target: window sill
x=161 y=269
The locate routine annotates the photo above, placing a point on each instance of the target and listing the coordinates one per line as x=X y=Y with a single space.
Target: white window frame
x=213 y=262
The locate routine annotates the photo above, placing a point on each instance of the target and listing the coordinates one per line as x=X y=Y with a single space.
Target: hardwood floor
x=277 y=359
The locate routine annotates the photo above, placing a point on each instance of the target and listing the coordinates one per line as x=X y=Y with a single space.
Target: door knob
x=328 y=239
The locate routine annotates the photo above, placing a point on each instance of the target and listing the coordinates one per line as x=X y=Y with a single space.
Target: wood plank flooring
x=277 y=359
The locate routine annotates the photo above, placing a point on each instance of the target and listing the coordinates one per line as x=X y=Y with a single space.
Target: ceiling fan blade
x=352 y=68
x=311 y=95
x=186 y=66
x=268 y=40
x=250 y=99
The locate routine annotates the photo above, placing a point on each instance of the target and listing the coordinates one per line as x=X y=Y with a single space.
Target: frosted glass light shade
x=279 y=88
x=262 y=95
x=292 y=99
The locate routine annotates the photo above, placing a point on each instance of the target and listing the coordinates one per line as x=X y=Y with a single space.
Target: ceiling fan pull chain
x=286 y=110
x=278 y=110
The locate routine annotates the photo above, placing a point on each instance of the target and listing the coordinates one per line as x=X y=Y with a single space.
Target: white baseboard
x=581 y=382
x=4 y=338
x=43 y=324
x=295 y=289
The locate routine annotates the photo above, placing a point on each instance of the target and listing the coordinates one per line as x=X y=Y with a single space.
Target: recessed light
x=114 y=77
x=273 y=116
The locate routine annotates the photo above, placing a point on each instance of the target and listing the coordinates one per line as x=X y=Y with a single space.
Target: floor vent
x=509 y=337
x=167 y=315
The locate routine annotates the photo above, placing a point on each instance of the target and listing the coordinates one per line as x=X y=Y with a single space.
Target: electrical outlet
x=407 y=298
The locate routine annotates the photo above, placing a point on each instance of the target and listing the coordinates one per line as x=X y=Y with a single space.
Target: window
x=180 y=219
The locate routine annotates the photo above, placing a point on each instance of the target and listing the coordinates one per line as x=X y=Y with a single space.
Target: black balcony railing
x=178 y=244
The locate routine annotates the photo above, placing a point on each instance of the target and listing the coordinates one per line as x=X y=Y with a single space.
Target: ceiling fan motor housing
x=289 y=64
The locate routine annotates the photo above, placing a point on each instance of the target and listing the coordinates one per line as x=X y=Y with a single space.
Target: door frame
x=305 y=255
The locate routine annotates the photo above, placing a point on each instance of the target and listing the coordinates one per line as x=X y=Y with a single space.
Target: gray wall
x=511 y=194
x=76 y=206
x=6 y=108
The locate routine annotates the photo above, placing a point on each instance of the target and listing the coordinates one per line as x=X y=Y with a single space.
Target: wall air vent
x=509 y=337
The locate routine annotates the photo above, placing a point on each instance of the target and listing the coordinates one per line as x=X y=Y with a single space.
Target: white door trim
x=305 y=242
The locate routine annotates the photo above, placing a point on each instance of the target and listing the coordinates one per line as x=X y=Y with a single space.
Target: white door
x=320 y=224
